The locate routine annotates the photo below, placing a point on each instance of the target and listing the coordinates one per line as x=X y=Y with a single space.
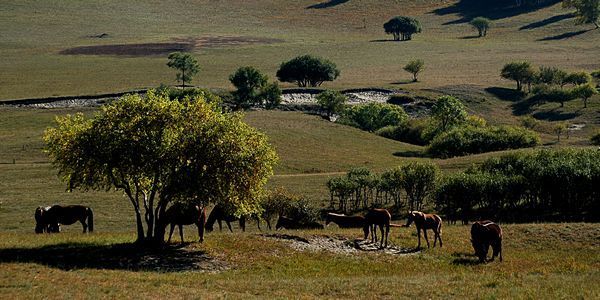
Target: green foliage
x=415 y=67
x=481 y=24
x=332 y=102
x=253 y=89
x=559 y=129
x=521 y=72
x=187 y=94
x=472 y=140
x=402 y=28
x=448 y=112
x=578 y=78
x=308 y=70
x=529 y=122
x=584 y=92
x=411 y=131
x=595 y=139
x=596 y=74
x=588 y=11
x=418 y=180
x=551 y=76
x=372 y=116
x=186 y=64
x=278 y=202
x=156 y=150
x=544 y=93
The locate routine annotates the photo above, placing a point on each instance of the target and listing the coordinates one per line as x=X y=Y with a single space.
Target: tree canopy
x=415 y=67
x=402 y=28
x=448 y=112
x=253 y=88
x=482 y=25
x=186 y=64
x=588 y=11
x=157 y=151
x=521 y=72
x=332 y=102
x=307 y=70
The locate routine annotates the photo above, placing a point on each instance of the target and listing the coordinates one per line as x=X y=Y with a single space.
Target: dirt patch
x=337 y=244
x=181 y=45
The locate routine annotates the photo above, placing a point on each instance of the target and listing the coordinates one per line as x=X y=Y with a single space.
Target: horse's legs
x=171 y=232
x=419 y=238
x=268 y=223
x=387 y=234
x=220 y=226
x=200 y=231
x=83 y=224
x=373 y=233
x=229 y=226
x=181 y=232
x=425 y=236
x=382 y=236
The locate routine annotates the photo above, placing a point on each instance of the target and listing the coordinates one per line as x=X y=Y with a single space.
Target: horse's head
x=281 y=222
x=40 y=225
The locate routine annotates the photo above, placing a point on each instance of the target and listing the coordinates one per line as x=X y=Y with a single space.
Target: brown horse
x=483 y=235
x=288 y=223
x=344 y=221
x=180 y=214
x=218 y=214
x=424 y=222
x=49 y=219
x=377 y=217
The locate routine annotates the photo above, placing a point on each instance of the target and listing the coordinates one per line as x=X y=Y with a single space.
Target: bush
x=472 y=140
x=415 y=67
x=529 y=122
x=187 y=94
x=408 y=132
x=332 y=102
x=308 y=70
x=482 y=25
x=253 y=89
x=373 y=116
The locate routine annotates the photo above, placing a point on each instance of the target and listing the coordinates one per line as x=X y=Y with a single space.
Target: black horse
x=49 y=219
x=179 y=214
x=219 y=214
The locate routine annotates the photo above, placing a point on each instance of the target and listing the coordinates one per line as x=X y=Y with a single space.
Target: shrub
x=409 y=132
x=529 y=122
x=253 y=89
x=415 y=67
x=471 y=140
x=481 y=24
x=332 y=102
x=551 y=76
x=373 y=116
x=308 y=70
x=448 y=112
x=578 y=78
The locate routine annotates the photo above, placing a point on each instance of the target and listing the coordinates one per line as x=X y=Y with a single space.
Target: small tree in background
x=521 y=72
x=332 y=102
x=418 y=180
x=186 y=64
x=584 y=92
x=559 y=129
x=308 y=70
x=402 y=28
x=588 y=11
x=482 y=25
x=448 y=112
x=271 y=95
x=415 y=67
x=578 y=78
x=551 y=76
x=253 y=88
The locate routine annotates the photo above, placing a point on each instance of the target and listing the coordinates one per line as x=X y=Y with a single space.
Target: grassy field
x=35 y=32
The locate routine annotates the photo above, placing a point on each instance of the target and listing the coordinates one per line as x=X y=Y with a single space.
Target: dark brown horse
x=49 y=219
x=218 y=214
x=483 y=235
x=423 y=222
x=180 y=214
x=377 y=217
x=288 y=223
x=344 y=221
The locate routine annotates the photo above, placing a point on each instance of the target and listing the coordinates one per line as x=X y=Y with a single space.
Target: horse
x=483 y=235
x=179 y=214
x=219 y=214
x=424 y=222
x=377 y=217
x=344 y=221
x=49 y=219
x=288 y=223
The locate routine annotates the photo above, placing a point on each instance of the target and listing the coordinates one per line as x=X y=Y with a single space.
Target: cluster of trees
x=402 y=28
x=549 y=82
x=254 y=89
x=546 y=185
x=157 y=150
x=588 y=11
x=281 y=202
x=307 y=70
x=361 y=188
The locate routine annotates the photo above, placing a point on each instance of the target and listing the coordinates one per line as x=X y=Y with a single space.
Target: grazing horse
x=288 y=223
x=344 y=221
x=219 y=214
x=49 y=219
x=377 y=217
x=483 y=235
x=424 y=222
x=180 y=214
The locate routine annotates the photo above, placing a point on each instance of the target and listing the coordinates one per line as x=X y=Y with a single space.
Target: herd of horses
x=484 y=234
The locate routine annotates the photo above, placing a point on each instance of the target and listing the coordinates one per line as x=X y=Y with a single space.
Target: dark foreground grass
x=544 y=261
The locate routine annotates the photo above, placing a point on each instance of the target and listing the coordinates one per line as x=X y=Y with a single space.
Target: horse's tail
x=90 y=217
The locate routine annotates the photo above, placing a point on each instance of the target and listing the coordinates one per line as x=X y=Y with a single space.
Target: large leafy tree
x=448 y=112
x=521 y=72
x=588 y=11
x=307 y=70
x=402 y=28
x=156 y=151
x=186 y=64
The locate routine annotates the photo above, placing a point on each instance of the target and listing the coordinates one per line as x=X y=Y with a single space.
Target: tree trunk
x=140 y=226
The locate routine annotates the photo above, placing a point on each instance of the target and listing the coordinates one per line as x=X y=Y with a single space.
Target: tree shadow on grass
x=132 y=257
x=403 y=82
x=411 y=153
x=465 y=259
x=328 y=4
x=505 y=94
x=468 y=9
x=564 y=35
x=470 y=37
x=385 y=41
x=547 y=21
x=555 y=115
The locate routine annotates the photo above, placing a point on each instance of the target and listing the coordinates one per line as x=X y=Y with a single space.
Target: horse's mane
x=336 y=215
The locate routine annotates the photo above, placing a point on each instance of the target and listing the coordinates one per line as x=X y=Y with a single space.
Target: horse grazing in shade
x=423 y=222
x=180 y=214
x=219 y=214
x=483 y=235
x=377 y=217
x=344 y=221
x=288 y=223
x=49 y=219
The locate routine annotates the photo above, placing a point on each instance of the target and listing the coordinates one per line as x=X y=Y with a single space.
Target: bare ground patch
x=181 y=45
x=337 y=244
